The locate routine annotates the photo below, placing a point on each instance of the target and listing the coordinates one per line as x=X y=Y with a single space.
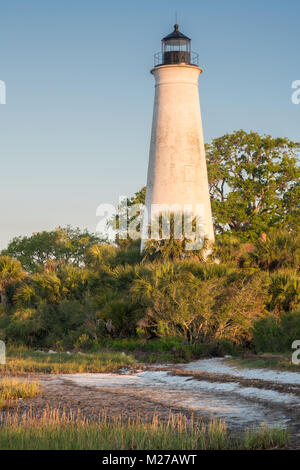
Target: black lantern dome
x=176 y=49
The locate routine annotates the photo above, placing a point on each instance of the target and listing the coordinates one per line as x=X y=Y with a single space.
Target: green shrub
x=267 y=335
x=177 y=303
x=274 y=334
x=290 y=325
x=120 y=317
x=226 y=248
x=49 y=325
x=284 y=291
x=280 y=249
x=25 y=327
x=220 y=348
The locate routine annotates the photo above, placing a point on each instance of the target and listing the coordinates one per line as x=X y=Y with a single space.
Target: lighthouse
x=177 y=172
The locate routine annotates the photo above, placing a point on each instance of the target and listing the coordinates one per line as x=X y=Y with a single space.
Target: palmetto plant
x=226 y=249
x=284 y=291
x=25 y=295
x=74 y=281
x=44 y=286
x=280 y=249
x=175 y=243
x=175 y=302
x=11 y=271
x=53 y=286
x=211 y=303
x=99 y=256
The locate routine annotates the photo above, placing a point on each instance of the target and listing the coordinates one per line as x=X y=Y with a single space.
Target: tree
x=10 y=272
x=254 y=183
x=138 y=199
x=63 y=245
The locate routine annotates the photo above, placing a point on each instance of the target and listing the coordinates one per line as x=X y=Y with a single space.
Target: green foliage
x=99 y=256
x=129 y=255
x=154 y=345
x=120 y=318
x=284 y=291
x=273 y=334
x=209 y=306
x=176 y=244
x=226 y=248
x=279 y=249
x=10 y=272
x=103 y=256
x=122 y=239
x=179 y=303
x=171 y=348
x=25 y=326
x=266 y=360
x=55 y=324
x=20 y=360
x=254 y=183
x=62 y=245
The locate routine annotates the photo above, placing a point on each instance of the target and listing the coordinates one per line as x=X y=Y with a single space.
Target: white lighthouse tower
x=177 y=173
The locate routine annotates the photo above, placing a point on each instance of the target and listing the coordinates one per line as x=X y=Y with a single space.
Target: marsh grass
x=12 y=389
x=268 y=361
x=22 y=360
x=61 y=431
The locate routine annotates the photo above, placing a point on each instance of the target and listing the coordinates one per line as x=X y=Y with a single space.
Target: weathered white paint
x=177 y=172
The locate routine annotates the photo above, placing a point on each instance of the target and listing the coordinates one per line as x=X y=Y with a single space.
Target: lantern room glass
x=176 y=48
x=176 y=45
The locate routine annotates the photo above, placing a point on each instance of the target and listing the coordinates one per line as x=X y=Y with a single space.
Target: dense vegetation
x=69 y=289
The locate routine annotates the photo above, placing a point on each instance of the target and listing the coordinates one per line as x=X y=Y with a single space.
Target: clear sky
x=75 y=130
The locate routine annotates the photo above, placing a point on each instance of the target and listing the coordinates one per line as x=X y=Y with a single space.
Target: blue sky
x=76 y=127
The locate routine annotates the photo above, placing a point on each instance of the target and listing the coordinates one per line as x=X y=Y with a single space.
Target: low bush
x=279 y=249
x=276 y=334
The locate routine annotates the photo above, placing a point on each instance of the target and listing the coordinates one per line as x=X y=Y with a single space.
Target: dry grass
x=23 y=360
x=58 y=430
x=274 y=361
x=11 y=389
